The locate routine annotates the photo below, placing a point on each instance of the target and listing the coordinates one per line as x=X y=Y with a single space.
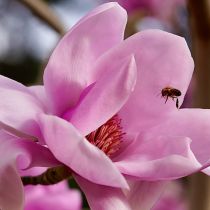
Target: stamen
x=108 y=137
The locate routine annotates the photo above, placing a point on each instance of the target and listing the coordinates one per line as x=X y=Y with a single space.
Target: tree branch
x=50 y=176
x=199 y=17
x=45 y=13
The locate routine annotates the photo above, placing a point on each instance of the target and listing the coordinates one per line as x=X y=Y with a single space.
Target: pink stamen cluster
x=108 y=136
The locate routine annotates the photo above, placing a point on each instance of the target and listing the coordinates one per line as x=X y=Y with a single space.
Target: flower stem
x=45 y=13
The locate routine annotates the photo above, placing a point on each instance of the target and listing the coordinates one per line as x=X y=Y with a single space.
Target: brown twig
x=50 y=176
x=45 y=13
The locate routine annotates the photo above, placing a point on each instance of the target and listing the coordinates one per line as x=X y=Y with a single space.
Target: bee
x=169 y=92
x=49 y=177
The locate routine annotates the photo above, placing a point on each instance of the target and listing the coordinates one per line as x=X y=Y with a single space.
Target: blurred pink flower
x=100 y=111
x=160 y=8
x=173 y=198
x=52 y=197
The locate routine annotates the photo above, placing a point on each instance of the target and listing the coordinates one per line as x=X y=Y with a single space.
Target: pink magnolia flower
x=100 y=111
x=52 y=197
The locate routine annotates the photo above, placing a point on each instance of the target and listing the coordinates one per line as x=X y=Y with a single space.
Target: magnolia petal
x=73 y=150
x=143 y=195
x=25 y=153
x=162 y=60
x=106 y=97
x=193 y=123
x=18 y=107
x=8 y=83
x=69 y=69
x=16 y=154
x=40 y=94
x=17 y=133
x=9 y=178
x=37 y=155
x=152 y=157
x=102 y=197
x=11 y=189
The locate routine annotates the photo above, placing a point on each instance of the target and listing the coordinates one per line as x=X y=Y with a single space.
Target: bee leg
x=177 y=103
x=166 y=99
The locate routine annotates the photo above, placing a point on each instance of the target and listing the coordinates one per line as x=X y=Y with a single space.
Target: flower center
x=108 y=136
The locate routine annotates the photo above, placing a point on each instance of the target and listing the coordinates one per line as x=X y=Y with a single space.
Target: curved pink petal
x=193 y=123
x=25 y=152
x=8 y=83
x=155 y=157
x=37 y=155
x=11 y=189
x=9 y=178
x=52 y=197
x=143 y=195
x=18 y=107
x=103 y=197
x=162 y=60
x=39 y=92
x=16 y=154
x=34 y=171
x=106 y=97
x=72 y=149
x=69 y=69
x=17 y=133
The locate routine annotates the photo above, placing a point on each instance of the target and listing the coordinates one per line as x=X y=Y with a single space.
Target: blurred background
x=29 y=31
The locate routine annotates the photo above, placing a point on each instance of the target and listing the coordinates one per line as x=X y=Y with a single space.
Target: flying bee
x=169 y=92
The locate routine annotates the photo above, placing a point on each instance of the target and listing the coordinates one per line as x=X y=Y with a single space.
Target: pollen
x=108 y=137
